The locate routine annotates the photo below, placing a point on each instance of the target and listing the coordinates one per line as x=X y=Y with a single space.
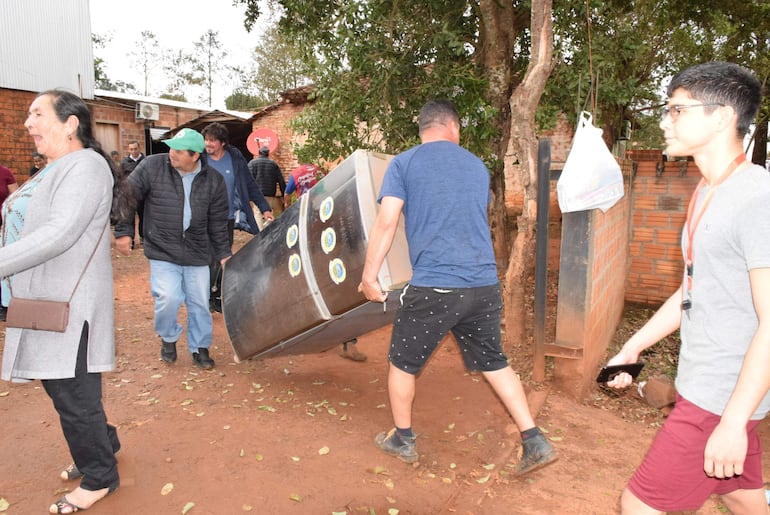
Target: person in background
x=301 y=179
x=709 y=443
x=115 y=156
x=269 y=178
x=55 y=241
x=38 y=163
x=133 y=158
x=241 y=188
x=128 y=164
x=185 y=207
x=454 y=286
x=7 y=186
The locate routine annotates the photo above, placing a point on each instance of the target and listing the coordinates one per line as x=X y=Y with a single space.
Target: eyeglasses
x=675 y=110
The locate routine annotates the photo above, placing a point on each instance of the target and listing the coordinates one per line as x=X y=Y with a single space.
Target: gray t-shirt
x=732 y=238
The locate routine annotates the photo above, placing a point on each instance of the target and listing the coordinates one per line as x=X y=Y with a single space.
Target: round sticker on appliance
x=292 y=235
x=337 y=270
x=326 y=209
x=295 y=265
x=328 y=239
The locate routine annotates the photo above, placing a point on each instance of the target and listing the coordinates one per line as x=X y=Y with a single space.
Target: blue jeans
x=171 y=285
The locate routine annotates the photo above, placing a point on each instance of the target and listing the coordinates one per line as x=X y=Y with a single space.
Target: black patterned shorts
x=426 y=314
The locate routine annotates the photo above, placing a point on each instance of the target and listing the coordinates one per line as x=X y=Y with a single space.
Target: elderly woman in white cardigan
x=56 y=227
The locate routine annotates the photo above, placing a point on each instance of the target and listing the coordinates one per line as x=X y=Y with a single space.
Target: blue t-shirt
x=225 y=168
x=445 y=190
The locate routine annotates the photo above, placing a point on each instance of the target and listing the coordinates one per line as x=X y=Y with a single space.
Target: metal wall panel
x=46 y=44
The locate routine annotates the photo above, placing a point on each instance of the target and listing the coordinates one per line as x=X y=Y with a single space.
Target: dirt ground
x=295 y=434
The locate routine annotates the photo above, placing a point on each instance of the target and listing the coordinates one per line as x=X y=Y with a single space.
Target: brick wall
x=16 y=146
x=278 y=120
x=592 y=274
x=660 y=193
x=124 y=115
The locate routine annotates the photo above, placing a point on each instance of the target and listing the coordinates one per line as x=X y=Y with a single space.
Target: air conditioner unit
x=145 y=111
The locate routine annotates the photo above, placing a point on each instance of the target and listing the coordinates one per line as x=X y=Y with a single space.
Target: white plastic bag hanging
x=591 y=177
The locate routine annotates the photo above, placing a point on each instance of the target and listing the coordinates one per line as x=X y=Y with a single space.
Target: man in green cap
x=185 y=222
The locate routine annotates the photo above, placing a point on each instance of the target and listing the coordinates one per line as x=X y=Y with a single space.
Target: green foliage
x=206 y=61
x=179 y=97
x=277 y=65
x=618 y=65
x=375 y=63
x=101 y=81
x=241 y=101
x=146 y=56
x=178 y=68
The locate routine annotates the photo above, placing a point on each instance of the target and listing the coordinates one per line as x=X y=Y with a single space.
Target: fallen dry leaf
x=187 y=507
x=167 y=489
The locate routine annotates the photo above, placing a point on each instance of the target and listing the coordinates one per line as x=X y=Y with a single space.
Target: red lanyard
x=691 y=225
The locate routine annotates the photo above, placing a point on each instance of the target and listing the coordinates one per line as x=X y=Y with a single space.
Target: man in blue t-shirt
x=454 y=286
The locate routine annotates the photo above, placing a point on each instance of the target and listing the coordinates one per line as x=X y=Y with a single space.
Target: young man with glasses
x=709 y=443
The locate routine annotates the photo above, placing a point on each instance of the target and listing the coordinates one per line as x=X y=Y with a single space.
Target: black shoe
x=168 y=351
x=401 y=447
x=538 y=453
x=215 y=304
x=3 y=313
x=202 y=359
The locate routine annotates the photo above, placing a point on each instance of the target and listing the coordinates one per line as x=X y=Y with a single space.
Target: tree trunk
x=495 y=58
x=523 y=143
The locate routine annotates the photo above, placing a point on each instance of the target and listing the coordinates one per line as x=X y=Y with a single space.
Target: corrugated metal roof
x=166 y=102
x=46 y=44
x=156 y=134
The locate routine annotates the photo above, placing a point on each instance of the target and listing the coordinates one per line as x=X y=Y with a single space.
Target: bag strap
x=82 y=273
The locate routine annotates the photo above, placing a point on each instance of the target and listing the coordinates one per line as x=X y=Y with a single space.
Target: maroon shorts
x=671 y=476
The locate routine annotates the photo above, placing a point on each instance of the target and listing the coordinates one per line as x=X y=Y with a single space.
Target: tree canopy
x=375 y=61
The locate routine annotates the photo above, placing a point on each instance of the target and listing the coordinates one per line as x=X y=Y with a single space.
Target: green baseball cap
x=187 y=139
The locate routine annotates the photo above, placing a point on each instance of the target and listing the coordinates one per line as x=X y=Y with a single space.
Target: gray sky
x=177 y=24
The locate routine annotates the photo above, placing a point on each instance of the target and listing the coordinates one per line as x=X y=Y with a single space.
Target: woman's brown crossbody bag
x=43 y=315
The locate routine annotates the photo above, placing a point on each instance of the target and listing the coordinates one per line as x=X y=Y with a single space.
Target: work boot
x=350 y=351
x=538 y=452
x=168 y=351
x=402 y=447
x=202 y=359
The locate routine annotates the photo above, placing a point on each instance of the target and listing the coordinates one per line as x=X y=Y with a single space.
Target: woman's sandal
x=63 y=504
x=71 y=473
